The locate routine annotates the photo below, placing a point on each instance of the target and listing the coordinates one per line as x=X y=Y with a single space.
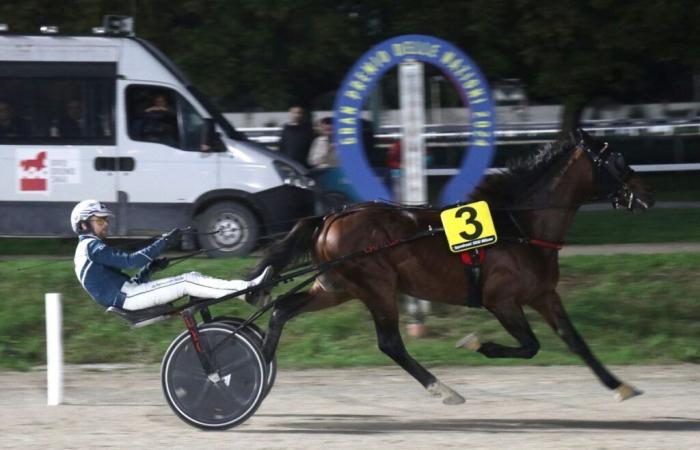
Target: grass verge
x=630 y=308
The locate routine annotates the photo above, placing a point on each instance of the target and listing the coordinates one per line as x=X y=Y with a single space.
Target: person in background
x=72 y=123
x=159 y=122
x=10 y=126
x=322 y=153
x=297 y=135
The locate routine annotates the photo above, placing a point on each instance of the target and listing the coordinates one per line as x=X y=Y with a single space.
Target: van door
x=161 y=135
x=57 y=143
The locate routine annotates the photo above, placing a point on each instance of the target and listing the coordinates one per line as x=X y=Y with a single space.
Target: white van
x=110 y=117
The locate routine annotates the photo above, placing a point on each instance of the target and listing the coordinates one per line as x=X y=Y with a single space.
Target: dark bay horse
x=533 y=205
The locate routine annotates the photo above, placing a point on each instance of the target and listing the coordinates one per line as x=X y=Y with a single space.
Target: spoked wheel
x=220 y=400
x=257 y=335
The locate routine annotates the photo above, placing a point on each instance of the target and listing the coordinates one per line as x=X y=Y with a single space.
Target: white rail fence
x=455 y=136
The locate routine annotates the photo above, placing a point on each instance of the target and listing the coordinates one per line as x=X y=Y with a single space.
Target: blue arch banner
x=465 y=77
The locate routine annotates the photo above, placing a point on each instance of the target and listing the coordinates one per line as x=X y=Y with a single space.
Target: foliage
x=269 y=54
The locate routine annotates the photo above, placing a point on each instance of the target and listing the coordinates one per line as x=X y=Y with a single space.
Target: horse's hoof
x=454 y=399
x=470 y=342
x=625 y=391
x=450 y=397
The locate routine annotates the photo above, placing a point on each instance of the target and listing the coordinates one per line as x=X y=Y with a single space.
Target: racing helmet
x=86 y=209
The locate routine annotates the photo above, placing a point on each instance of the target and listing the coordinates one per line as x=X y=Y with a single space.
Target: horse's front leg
x=386 y=322
x=511 y=316
x=552 y=309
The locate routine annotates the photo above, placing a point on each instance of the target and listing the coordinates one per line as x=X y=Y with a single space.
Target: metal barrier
x=453 y=138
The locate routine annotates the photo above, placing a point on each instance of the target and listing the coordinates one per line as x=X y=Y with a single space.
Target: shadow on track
x=381 y=424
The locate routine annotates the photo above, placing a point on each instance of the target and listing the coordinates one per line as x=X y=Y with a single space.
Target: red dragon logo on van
x=36 y=179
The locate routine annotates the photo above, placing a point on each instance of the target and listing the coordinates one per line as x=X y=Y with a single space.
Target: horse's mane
x=522 y=175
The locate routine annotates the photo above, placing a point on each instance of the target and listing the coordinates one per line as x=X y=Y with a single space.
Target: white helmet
x=86 y=209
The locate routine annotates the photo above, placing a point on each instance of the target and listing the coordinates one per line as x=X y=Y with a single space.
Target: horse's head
x=613 y=178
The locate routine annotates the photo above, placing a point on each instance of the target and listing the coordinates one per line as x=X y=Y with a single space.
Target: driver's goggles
x=100 y=220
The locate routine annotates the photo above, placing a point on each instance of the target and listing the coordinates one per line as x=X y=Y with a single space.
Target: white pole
x=54 y=349
x=413 y=181
x=411 y=92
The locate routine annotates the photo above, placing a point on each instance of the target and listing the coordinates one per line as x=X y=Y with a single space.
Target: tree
x=268 y=54
x=580 y=50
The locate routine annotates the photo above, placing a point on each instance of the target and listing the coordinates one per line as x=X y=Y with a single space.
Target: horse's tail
x=297 y=244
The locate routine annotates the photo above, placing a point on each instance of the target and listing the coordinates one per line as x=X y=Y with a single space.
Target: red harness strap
x=467 y=257
x=545 y=244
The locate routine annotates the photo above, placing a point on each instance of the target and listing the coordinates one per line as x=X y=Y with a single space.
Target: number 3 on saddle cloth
x=469 y=228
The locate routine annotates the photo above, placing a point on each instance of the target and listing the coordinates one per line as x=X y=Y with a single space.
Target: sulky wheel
x=257 y=335
x=222 y=400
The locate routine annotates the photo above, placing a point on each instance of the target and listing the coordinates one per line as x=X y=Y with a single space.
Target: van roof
x=122 y=50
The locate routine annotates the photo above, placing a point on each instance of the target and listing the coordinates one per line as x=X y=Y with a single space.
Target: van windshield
x=229 y=129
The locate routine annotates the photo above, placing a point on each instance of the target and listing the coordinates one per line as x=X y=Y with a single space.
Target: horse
x=37 y=163
x=533 y=205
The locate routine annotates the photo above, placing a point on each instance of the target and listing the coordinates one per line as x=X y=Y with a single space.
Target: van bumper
x=281 y=207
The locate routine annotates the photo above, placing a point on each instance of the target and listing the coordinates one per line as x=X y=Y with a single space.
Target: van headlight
x=292 y=176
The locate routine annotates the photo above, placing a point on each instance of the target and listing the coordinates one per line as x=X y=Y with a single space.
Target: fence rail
x=649 y=147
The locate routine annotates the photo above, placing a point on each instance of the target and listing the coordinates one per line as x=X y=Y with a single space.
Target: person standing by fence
x=322 y=154
x=297 y=135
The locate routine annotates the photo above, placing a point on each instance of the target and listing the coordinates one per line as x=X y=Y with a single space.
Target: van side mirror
x=211 y=141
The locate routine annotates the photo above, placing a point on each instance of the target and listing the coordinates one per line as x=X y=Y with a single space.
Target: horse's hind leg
x=511 y=316
x=316 y=298
x=552 y=309
x=385 y=313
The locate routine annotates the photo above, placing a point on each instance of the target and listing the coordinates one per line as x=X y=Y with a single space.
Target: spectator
x=296 y=136
x=159 y=123
x=10 y=126
x=72 y=123
x=322 y=154
x=160 y=104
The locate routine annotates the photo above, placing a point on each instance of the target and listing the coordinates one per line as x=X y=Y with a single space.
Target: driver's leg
x=165 y=290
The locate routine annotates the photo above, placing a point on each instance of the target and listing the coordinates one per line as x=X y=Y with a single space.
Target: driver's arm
x=101 y=253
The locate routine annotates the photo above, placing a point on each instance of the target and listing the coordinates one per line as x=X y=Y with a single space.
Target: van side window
x=44 y=104
x=156 y=114
x=152 y=115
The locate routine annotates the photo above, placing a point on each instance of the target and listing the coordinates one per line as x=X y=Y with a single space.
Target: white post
x=413 y=168
x=54 y=349
x=411 y=93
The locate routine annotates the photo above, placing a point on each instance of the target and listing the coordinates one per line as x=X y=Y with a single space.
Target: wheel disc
x=221 y=400
x=230 y=230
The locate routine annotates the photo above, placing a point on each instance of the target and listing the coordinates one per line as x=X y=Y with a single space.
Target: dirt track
x=513 y=407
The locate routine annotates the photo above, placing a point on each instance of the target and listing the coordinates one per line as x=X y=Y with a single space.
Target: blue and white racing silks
x=98 y=267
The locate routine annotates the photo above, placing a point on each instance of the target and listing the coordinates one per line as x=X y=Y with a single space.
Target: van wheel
x=238 y=229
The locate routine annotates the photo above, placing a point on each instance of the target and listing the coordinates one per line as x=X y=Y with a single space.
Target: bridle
x=612 y=174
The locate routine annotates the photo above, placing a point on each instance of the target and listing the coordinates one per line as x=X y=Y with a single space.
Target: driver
x=98 y=265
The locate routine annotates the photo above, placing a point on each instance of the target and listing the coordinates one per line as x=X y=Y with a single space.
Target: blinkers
x=611 y=174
